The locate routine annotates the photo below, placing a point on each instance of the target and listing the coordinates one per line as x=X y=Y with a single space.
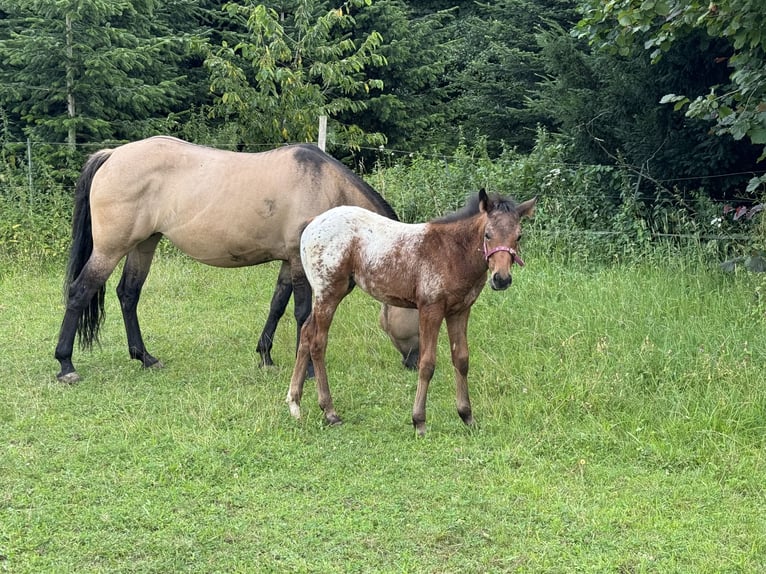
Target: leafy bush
x=587 y=213
x=36 y=215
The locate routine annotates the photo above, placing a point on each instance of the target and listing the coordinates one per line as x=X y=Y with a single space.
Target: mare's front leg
x=457 y=329
x=279 y=300
x=430 y=321
x=137 y=265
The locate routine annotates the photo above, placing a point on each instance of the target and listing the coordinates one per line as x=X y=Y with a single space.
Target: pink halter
x=514 y=256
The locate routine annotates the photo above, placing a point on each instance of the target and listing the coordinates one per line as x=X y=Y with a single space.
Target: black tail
x=82 y=246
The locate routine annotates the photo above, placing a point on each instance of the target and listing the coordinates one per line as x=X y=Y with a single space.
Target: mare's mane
x=497 y=202
x=311 y=154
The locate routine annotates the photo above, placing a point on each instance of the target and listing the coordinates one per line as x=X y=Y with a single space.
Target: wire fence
x=27 y=150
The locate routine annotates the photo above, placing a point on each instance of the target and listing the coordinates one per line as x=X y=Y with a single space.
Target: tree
x=493 y=83
x=87 y=70
x=608 y=105
x=737 y=107
x=295 y=65
x=408 y=107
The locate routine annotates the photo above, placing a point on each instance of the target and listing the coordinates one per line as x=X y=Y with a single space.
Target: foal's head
x=502 y=232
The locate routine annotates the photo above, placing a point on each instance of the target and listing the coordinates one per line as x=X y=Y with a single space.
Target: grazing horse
x=439 y=267
x=222 y=208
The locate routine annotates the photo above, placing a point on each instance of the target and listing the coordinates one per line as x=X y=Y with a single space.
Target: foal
x=439 y=267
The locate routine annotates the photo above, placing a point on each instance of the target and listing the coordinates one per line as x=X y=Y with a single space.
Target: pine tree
x=87 y=70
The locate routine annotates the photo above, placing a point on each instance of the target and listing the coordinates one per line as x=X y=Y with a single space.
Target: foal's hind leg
x=302 y=303
x=322 y=316
x=134 y=275
x=312 y=346
x=279 y=301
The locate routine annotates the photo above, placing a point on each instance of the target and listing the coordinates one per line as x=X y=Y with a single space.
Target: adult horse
x=439 y=267
x=222 y=208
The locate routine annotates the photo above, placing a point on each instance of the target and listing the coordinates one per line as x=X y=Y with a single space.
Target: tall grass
x=620 y=429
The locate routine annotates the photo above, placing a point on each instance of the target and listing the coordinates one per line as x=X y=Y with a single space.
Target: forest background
x=632 y=120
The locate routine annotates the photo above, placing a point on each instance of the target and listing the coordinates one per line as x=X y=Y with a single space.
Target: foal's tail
x=92 y=315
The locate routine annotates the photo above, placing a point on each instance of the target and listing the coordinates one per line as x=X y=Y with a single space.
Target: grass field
x=621 y=429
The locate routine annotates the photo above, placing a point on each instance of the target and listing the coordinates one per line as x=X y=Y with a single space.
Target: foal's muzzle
x=498 y=282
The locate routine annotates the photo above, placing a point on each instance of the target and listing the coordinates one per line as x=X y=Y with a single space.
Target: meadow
x=620 y=415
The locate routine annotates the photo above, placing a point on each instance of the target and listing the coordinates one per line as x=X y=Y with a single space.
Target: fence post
x=29 y=166
x=322 y=143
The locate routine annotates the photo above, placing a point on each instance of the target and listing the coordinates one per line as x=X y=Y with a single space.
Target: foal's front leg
x=457 y=329
x=430 y=321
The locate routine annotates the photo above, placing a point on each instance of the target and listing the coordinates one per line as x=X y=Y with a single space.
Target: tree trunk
x=70 y=102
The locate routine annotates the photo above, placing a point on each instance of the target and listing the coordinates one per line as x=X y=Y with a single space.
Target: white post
x=322 y=143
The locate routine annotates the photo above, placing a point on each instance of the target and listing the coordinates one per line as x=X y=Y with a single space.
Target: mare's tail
x=92 y=315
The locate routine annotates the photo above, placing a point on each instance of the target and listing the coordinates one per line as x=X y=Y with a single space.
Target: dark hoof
x=333 y=420
x=310 y=371
x=69 y=378
x=420 y=428
x=155 y=365
x=467 y=418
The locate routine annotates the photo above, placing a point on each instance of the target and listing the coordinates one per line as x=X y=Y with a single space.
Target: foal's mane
x=497 y=202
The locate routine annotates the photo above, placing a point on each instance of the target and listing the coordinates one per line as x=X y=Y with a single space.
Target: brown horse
x=222 y=208
x=439 y=267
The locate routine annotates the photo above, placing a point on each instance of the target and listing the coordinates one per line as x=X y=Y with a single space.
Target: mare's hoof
x=69 y=378
x=155 y=365
x=420 y=428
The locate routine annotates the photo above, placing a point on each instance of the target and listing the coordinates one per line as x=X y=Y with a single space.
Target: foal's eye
x=487 y=236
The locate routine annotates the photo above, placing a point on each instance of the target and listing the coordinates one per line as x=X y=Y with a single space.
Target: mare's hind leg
x=279 y=301
x=134 y=275
x=83 y=293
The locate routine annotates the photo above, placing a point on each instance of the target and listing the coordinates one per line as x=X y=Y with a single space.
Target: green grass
x=621 y=429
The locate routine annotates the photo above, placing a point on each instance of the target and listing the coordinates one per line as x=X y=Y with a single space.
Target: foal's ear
x=527 y=209
x=483 y=201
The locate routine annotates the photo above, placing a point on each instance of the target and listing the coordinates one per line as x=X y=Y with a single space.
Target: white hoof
x=295 y=409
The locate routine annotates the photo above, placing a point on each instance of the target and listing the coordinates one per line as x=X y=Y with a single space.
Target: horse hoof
x=295 y=409
x=155 y=365
x=420 y=429
x=333 y=420
x=69 y=378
